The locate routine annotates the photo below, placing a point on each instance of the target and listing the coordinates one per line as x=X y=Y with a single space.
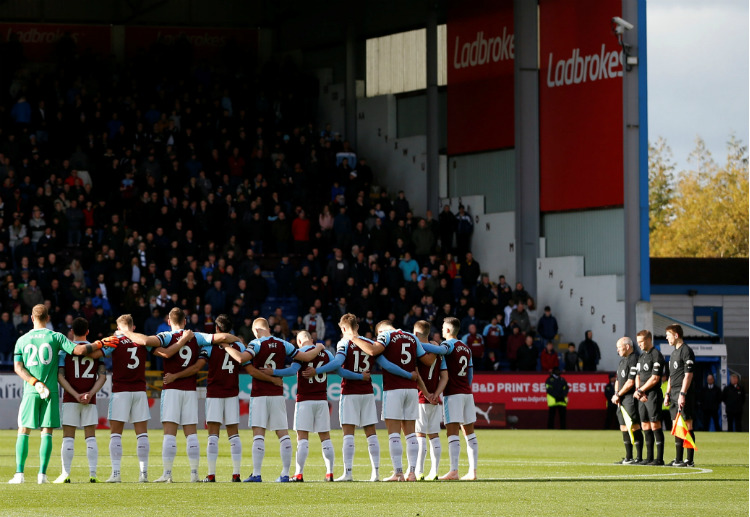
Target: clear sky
x=698 y=74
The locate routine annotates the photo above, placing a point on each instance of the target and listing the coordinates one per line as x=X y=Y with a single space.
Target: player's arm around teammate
x=34 y=361
x=77 y=410
x=190 y=370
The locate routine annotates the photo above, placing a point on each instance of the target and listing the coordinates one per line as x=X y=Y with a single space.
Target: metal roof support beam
x=525 y=20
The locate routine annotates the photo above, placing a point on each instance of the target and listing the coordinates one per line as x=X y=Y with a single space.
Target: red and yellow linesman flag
x=680 y=430
x=628 y=423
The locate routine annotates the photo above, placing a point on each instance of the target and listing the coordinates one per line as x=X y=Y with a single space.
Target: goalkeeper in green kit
x=35 y=361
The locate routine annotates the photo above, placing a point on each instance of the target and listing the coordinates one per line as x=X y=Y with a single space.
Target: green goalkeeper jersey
x=38 y=350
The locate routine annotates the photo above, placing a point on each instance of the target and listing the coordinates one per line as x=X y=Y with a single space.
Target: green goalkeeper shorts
x=36 y=413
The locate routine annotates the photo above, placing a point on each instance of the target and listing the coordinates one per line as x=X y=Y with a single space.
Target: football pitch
x=522 y=473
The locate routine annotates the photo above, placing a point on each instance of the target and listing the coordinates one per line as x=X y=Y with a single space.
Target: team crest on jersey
x=622 y=373
x=645 y=367
x=676 y=364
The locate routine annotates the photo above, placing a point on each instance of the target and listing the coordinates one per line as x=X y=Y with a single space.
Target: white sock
x=373 y=448
x=396 y=450
x=259 y=451
x=212 y=453
x=329 y=455
x=285 y=449
x=193 y=452
x=115 y=452
x=92 y=454
x=421 y=454
x=454 y=449
x=435 y=450
x=348 y=452
x=303 y=448
x=473 y=451
x=67 y=451
x=143 y=449
x=235 y=446
x=168 y=452
x=412 y=450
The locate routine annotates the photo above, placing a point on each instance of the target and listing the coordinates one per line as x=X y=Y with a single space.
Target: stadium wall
x=582 y=303
x=498 y=396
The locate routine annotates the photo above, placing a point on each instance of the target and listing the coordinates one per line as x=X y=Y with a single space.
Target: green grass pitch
x=534 y=473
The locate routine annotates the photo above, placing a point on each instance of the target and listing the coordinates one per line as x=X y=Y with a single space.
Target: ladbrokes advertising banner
x=207 y=43
x=480 y=76
x=40 y=40
x=580 y=103
x=586 y=391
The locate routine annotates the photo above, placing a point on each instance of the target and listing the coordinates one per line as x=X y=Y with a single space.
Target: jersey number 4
x=228 y=364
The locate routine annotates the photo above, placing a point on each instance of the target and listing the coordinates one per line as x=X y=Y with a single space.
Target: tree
x=660 y=186
x=706 y=213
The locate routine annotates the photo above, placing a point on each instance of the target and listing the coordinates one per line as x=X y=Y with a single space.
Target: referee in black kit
x=623 y=397
x=648 y=393
x=680 y=391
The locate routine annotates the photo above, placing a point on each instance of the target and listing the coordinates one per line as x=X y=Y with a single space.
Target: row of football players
x=415 y=374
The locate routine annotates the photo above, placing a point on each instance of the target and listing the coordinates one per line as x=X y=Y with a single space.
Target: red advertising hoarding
x=580 y=105
x=207 y=43
x=480 y=76
x=586 y=391
x=40 y=40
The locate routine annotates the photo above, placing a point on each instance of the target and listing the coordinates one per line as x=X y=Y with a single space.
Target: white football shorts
x=358 y=410
x=400 y=404
x=179 y=406
x=79 y=415
x=223 y=410
x=268 y=412
x=129 y=407
x=459 y=409
x=428 y=421
x=312 y=416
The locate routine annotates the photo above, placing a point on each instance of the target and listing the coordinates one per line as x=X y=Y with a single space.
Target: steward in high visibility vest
x=557 y=398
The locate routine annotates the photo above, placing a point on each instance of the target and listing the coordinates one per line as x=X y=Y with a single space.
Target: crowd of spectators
x=139 y=187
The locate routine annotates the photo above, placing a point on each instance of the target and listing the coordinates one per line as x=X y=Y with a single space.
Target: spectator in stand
x=548 y=358
x=475 y=342
x=408 y=265
x=446 y=228
x=423 y=240
x=8 y=338
x=470 y=271
x=527 y=355
x=493 y=339
x=469 y=319
x=284 y=276
x=520 y=293
x=515 y=341
x=401 y=205
x=733 y=397
x=710 y=404
x=532 y=312
x=572 y=363
x=547 y=326
x=588 y=352
x=520 y=317
x=464 y=229
x=313 y=322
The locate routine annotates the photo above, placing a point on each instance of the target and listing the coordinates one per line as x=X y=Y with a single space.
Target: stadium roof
x=661 y=321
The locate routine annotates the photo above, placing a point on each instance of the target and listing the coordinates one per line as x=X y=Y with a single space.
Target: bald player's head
x=260 y=327
x=624 y=346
